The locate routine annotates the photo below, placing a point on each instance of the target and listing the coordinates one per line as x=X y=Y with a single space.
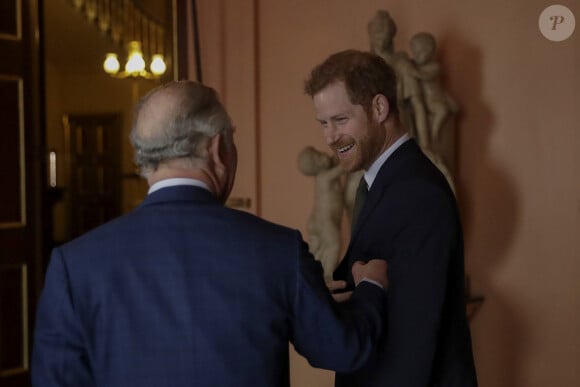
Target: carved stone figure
x=382 y=30
x=438 y=102
x=324 y=223
x=426 y=109
x=350 y=187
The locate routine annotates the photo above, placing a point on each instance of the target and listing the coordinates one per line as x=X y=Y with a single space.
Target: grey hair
x=197 y=117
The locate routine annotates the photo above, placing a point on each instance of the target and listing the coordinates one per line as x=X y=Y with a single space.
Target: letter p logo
x=556 y=20
x=557 y=23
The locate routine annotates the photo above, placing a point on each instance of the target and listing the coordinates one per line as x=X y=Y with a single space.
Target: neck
x=168 y=171
x=393 y=131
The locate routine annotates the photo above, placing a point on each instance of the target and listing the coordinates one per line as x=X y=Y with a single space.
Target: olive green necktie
x=359 y=201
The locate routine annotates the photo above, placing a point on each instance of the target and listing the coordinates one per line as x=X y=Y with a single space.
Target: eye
x=341 y=120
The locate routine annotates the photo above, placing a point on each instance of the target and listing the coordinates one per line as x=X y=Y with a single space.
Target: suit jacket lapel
x=388 y=173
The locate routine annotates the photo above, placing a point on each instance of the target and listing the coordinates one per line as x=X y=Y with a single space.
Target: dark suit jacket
x=186 y=292
x=411 y=220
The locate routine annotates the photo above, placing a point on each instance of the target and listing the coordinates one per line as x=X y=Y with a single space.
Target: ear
x=216 y=153
x=380 y=108
x=222 y=163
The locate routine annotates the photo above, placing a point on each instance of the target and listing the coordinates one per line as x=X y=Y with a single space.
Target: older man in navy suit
x=183 y=291
x=409 y=217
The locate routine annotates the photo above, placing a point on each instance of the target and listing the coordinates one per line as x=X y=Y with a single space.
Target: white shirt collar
x=373 y=170
x=177 y=181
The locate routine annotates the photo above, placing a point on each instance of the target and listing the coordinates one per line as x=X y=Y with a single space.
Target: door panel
x=13 y=319
x=13 y=209
x=21 y=163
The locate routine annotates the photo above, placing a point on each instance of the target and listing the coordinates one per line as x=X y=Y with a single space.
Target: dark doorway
x=92 y=146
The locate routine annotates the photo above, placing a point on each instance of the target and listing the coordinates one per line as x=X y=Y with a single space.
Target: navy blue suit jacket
x=186 y=292
x=411 y=220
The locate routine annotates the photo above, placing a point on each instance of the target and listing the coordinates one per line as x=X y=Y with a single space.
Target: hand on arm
x=337 y=286
x=374 y=270
x=334 y=336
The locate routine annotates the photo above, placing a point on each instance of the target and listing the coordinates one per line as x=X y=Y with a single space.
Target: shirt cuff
x=372 y=282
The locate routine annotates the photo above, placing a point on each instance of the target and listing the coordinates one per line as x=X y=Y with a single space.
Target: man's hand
x=375 y=270
x=333 y=286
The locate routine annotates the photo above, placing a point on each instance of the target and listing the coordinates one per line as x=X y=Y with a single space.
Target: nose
x=330 y=134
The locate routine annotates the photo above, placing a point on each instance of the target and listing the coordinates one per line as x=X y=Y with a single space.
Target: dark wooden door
x=21 y=194
x=93 y=145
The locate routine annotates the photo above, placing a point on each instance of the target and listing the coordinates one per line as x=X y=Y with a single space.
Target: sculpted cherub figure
x=382 y=30
x=350 y=187
x=440 y=106
x=425 y=107
x=324 y=223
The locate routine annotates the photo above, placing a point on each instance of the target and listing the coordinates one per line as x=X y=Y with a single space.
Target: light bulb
x=135 y=63
x=111 y=64
x=157 y=66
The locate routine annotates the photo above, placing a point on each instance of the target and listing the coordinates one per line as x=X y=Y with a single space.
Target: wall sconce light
x=135 y=66
x=124 y=21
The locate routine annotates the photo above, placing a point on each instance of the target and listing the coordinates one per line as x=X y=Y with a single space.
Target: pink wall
x=518 y=180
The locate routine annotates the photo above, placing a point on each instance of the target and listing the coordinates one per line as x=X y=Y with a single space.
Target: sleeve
x=329 y=335
x=426 y=241
x=59 y=356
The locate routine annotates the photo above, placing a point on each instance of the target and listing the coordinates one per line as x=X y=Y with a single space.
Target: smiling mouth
x=345 y=149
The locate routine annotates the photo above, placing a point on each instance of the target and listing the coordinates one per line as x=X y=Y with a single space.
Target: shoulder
x=409 y=165
x=128 y=228
x=415 y=184
x=253 y=225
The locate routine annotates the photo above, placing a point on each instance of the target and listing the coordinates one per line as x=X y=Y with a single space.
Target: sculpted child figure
x=350 y=187
x=425 y=108
x=325 y=219
x=382 y=30
x=438 y=102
